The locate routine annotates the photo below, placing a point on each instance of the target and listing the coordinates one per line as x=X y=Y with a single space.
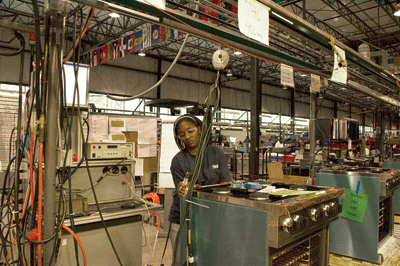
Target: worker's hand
x=181 y=189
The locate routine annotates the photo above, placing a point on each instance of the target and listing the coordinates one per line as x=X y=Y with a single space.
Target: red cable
x=40 y=183
x=154 y=197
x=79 y=242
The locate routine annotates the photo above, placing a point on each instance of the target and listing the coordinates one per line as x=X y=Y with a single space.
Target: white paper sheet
x=98 y=128
x=287 y=76
x=146 y=128
x=139 y=167
x=165 y=180
x=315 y=83
x=147 y=150
x=339 y=74
x=168 y=147
x=254 y=20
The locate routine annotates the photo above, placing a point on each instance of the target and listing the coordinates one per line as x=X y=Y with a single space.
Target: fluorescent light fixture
x=237 y=53
x=228 y=112
x=114 y=15
x=303 y=75
x=397 y=12
x=158 y=3
x=128 y=12
x=141 y=53
x=279 y=16
x=284 y=87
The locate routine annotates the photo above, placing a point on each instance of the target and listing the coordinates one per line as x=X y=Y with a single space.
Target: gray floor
x=148 y=239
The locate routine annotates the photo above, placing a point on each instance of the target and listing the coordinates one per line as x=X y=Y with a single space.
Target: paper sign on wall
x=254 y=20
x=354 y=206
x=287 y=76
x=315 y=83
x=339 y=73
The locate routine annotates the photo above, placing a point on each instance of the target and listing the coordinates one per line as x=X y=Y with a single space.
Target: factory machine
x=239 y=226
x=121 y=209
x=369 y=239
x=394 y=164
x=112 y=169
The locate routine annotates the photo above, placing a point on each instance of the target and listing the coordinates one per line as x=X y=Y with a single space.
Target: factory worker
x=187 y=131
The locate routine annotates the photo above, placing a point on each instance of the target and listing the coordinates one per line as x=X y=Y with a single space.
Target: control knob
x=287 y=225
x=314 y=214
x=326 y=209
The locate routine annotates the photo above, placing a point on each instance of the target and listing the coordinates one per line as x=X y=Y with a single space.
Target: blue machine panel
x=350 y=238
x=227 y=234
x=394 y=165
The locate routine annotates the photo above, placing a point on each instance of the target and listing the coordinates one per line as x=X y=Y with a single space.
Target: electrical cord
x=22 y=43
x=76 y=71
x=77 y=240
x=9 y=149
x=193 y=177
x=158 y=82
x=17 y=155
x=70 y=50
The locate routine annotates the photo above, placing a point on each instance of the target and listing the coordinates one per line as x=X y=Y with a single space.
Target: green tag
x=117 y=123
x=117 y=137
x=354 y=206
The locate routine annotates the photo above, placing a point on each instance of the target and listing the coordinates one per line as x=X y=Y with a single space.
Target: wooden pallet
x=392 y=260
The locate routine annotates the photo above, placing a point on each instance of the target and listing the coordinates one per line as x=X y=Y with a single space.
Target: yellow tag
x=332 y=41
x=117 y=137
x=117 y=123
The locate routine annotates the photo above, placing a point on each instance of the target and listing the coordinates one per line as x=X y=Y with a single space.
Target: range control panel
x=102 y=150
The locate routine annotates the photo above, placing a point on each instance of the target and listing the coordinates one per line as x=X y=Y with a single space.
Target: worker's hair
x=185 y=118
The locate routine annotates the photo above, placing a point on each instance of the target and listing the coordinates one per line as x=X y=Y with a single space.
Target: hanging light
x=237 y=53
x=113 y=15
x=397 y=12
x=141 y=53
x=229 y=73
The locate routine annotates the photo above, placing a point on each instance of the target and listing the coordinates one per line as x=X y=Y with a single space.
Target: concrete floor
x=149 y=233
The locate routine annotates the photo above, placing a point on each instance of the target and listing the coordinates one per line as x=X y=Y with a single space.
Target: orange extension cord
x=79 y=242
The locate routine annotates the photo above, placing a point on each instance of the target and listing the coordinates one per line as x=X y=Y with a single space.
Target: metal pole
x=292 y=110
x=51 y=134
x=312 y=128
x=381 y=134
x=254 y=118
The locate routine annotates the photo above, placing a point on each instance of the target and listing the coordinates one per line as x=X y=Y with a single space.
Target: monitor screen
x=83 y=77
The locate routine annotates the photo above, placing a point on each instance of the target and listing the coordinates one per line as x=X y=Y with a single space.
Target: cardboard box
x=132 y=136
x=150 y=165
x=275 y=174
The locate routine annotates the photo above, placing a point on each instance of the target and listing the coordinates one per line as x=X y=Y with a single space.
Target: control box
x=106 y=150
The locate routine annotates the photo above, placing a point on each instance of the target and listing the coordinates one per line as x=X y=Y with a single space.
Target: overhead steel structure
x=303 y=44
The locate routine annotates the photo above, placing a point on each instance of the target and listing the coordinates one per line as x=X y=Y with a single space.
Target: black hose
x=9 y=149
x=22 y=43
x=17 y=155
x=38 y=56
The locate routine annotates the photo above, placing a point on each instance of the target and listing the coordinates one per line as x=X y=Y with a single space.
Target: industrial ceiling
x=350 y=22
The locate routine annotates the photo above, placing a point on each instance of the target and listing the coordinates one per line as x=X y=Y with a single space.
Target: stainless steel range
x=364 y=240
x=237 y=226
